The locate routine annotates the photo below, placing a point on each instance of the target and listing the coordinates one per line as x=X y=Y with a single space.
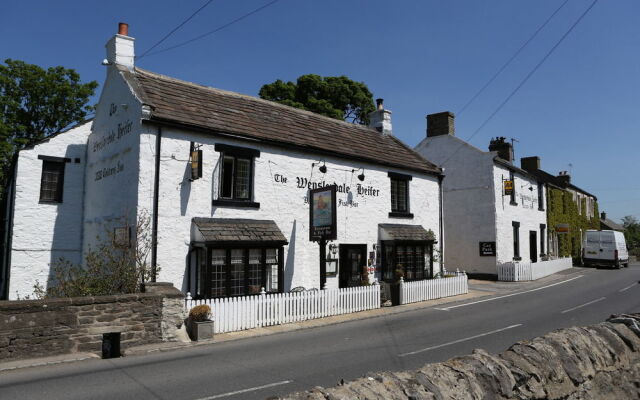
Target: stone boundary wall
x=595 y=362
x=38 y=328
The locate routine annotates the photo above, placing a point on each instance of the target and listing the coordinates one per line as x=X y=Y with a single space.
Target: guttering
x=156 y=196
x=440 y=192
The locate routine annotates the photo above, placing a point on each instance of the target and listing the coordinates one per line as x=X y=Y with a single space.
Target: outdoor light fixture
x=322 y=168
x=361 y=176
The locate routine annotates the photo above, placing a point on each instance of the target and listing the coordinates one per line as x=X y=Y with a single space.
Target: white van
x=605 y=248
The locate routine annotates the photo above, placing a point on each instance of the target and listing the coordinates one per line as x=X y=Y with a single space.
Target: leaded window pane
x=419 y=262
x=227 y=177
x=52 y=181
x=255 y=271
x=242 y=178
x=402 y=196
x=237 y=272
x=218 y=275
x=272 y=270
x=394 y=195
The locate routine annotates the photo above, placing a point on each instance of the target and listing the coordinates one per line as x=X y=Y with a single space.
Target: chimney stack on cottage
x=120 y=48
x=603 y=215
x=503 y=147
x=530 y=163
x=564 y=177
x=441 y=124
x=380 y=119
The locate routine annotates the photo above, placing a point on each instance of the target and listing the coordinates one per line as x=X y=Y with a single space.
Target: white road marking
x=218 y=396
x=507 y=295
x=458 y=341
x=583 y=305
x=627 y=288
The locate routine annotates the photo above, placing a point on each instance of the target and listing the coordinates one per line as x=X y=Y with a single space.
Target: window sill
x=513 y=203
x=396 y=214
x=540 y=209
x=235 y=203
x=517 y=258
x=49 y=202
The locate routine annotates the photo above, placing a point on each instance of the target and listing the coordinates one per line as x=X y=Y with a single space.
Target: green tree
x=632 y=232
x=333 y=96
x=36 y=103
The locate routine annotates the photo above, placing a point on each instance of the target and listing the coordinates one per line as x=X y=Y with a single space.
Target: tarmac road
x=260 y=367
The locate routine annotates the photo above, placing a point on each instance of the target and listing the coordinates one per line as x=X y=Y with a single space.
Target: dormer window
x=236 y=176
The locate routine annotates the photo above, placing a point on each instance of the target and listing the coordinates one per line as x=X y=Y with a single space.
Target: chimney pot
x=380 y=119
x=441 y=123
x=123 y=29
x=503 y=147
x=603 y=215
x=530 y=163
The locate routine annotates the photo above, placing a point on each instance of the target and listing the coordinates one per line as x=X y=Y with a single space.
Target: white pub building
x=224 y=178
x=494 y=212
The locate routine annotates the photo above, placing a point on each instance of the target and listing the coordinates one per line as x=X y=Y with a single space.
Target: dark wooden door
x=353 y=258
x=533 y=246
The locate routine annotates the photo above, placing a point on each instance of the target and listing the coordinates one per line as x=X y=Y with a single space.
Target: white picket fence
x=528 y=271
x=430 y=289
x=239 y=313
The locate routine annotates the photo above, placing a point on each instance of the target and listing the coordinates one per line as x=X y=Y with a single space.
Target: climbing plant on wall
x=562 y=209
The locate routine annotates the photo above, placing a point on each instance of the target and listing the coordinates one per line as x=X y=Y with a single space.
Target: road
x=266 y=366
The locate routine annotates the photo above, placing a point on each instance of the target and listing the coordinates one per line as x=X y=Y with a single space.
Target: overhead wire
x=175 y=29
x=218 y=29
x=526 y=78
x=506 y=64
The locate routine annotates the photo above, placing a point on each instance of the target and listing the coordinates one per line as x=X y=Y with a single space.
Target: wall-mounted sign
x=508 y=187
x=487 y=249
x=122 y=236
x=562 y=229
x=322 y=214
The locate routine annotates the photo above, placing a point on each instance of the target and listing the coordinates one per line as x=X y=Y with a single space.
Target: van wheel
x=626 y=265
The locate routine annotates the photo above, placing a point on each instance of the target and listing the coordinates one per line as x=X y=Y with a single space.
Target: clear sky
x=579 y=108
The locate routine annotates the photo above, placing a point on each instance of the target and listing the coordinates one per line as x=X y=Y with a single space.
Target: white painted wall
x=474 y=208
x=526 y=212
x=112 y=170
x=44 y=232
x=469 y=211
x=283 y=202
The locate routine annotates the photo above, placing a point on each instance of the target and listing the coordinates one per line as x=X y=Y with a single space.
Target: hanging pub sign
x=487 y=249
x=562 y=229
x=322 y=214
x=508 y=187
x=196 y=164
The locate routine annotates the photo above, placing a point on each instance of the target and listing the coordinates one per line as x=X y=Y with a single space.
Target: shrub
x=200 y=313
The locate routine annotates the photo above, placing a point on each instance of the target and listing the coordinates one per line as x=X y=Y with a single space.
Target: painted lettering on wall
x=122 y=129
x=109 y=171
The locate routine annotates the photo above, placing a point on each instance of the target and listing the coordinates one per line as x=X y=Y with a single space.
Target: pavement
x=478 y=289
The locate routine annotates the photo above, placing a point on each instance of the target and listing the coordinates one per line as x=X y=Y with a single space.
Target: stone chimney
x=603 y=215
x=120 y=48
x=380 y=119
x=441 y=124
x=564 y=177
x=503 y=147
x=530 y=163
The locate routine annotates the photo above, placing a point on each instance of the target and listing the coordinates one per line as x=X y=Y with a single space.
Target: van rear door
x=592 y=246
x=607 y=246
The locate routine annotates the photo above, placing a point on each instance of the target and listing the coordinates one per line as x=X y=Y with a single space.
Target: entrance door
x=533 y=246
x=352 y=259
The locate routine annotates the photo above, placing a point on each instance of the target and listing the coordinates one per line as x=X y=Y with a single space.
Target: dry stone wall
x=37 y=328
x=595 y=362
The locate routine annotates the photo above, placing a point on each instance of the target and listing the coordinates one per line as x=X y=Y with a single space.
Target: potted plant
x=200 y=325
x=395 y=286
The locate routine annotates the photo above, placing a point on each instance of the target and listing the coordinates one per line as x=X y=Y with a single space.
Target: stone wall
x=595 y=362
x=37 y=328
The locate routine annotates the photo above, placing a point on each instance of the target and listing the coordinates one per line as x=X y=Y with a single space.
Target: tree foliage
x=112 y=267
x=333 y=96
x=36 y=103
x=632 y=233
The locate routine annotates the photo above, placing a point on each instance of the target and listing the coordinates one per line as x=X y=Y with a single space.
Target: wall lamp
x=361 y=176
x=322 y=168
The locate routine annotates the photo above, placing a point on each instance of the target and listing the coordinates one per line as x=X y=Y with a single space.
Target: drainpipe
x=440 y=178
x=156 y=195
x=7 y=230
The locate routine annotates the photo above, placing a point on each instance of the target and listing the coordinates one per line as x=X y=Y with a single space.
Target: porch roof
x=236 y=230
x=404 y=232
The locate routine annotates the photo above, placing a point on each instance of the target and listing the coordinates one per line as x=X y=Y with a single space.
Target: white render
x=474 y=208
x=44 y=232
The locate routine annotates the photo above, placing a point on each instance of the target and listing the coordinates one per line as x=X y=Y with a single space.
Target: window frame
x=540 y=196
x=59 y=162
x=389 y=276
x=516 y=240
x=543 y=228
x=512 y=178
x=235 y=152
x=397 y=213
x=203 y=290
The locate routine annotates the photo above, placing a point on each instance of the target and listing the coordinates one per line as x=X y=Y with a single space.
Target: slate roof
x=239 y=230
x=608 y=224
x=406 y=232
x=553 y=180
x=222 y=112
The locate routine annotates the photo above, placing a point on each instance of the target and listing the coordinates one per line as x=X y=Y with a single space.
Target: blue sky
x=580 y=107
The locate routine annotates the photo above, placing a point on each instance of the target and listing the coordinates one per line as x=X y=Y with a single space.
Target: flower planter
x=200 y=330
x=394 y=288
